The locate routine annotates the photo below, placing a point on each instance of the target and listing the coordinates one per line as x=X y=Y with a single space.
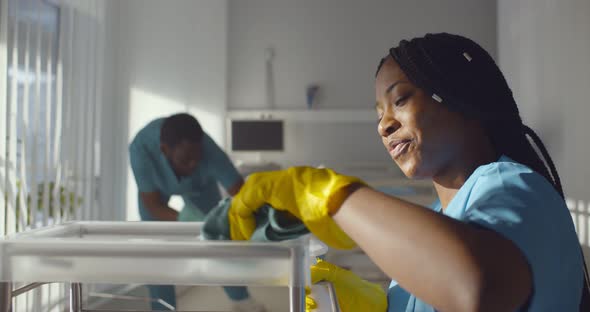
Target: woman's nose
x=387 y=125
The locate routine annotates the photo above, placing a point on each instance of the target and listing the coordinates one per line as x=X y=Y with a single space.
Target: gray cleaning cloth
x=271 y=224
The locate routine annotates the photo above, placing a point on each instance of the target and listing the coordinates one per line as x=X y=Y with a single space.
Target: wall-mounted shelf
x=324 y=115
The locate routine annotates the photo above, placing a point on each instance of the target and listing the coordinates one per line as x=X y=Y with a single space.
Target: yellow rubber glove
x=353 y=293
x=309 y=194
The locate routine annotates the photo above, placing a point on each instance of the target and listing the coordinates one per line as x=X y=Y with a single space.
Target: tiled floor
x=201 y=298
x=276 y=299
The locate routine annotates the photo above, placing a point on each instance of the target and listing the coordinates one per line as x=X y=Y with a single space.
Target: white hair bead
x=467 y=56
x=437 y=98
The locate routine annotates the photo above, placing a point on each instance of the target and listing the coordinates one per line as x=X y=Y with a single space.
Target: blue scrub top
x=521 y=205
x=199 y=191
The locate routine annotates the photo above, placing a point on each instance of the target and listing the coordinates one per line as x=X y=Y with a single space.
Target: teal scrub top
x=521 y=205
x=199 y=191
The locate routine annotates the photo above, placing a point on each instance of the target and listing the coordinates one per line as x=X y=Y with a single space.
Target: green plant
x=66 y=198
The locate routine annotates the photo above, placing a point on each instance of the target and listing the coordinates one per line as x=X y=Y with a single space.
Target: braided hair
x=459 y=73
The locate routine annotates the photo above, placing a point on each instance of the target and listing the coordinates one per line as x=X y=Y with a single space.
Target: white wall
x=543 y=50
x=169 y=56
x=336 y=44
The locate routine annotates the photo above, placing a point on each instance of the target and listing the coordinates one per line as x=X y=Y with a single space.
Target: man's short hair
x=180 y=127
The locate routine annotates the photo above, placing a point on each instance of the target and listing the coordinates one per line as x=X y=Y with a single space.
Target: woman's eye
x=400 y=100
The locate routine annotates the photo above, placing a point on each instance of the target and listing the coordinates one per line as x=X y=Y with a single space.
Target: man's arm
x=234 y=189
x=222 y=167
x=160 y=211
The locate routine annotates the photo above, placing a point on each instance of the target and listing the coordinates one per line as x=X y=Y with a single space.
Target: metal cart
x=127 y=252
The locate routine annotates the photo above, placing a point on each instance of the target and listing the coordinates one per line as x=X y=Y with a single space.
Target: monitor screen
x=257 y=135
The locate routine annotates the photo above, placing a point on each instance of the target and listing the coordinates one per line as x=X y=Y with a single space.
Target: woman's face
x=420 y=134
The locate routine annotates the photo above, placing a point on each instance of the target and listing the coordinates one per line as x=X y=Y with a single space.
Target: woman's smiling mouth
x=398 y=147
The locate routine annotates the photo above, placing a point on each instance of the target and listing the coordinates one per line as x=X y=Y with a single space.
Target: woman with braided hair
x=499 y=238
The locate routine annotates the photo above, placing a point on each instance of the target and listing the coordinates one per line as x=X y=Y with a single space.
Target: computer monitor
x=257 y=136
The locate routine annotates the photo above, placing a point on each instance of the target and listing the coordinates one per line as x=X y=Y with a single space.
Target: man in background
x=174 y=156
